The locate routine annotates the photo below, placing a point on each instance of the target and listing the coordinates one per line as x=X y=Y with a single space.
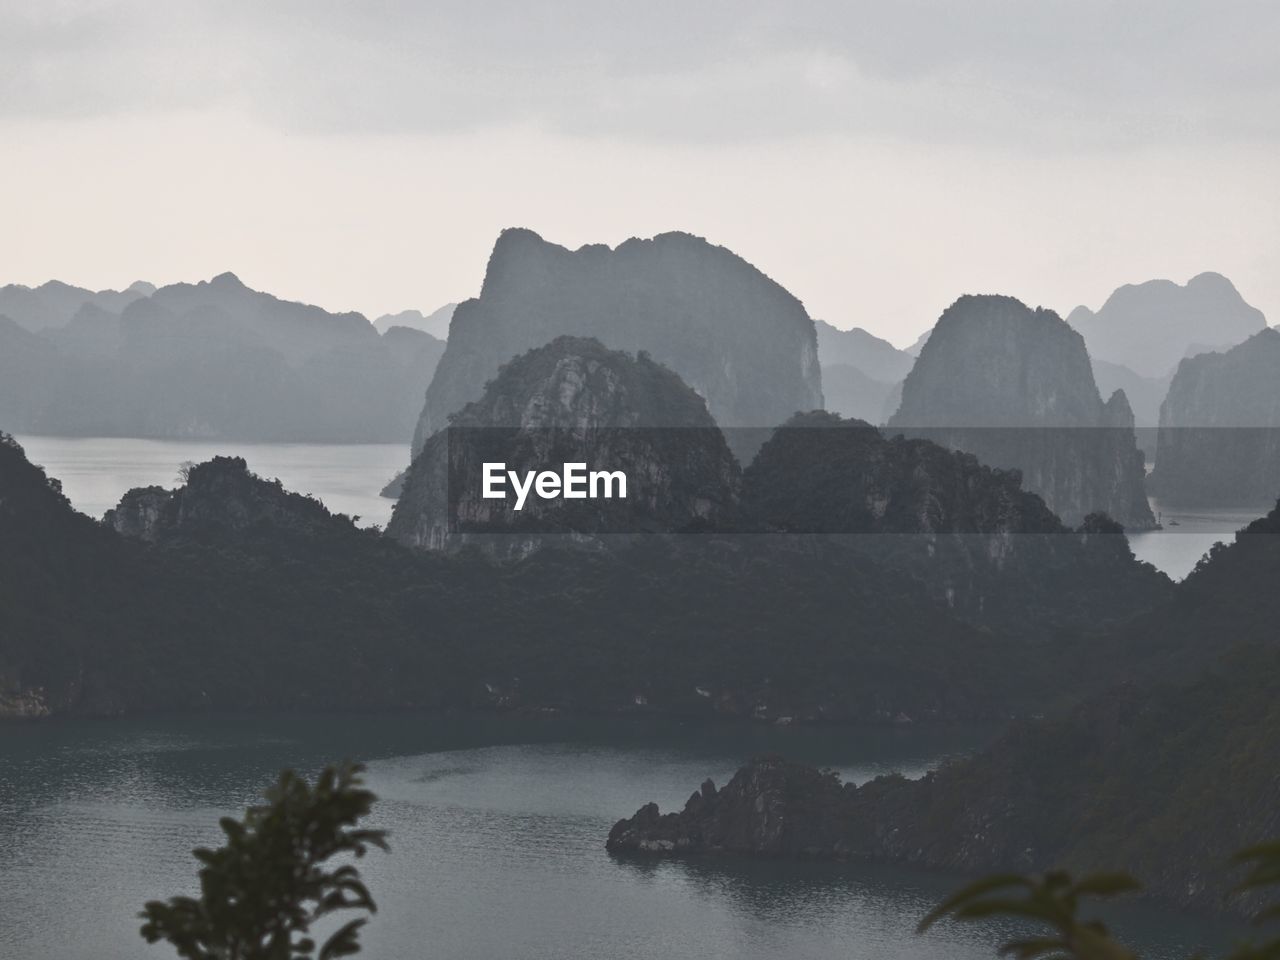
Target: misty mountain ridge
x=1219 y=437
x=1015 y=387
x=736 y=337
x=213 y=359
x=860 y=371
x=1149 y=327
x=54 y=303
x=435 y=323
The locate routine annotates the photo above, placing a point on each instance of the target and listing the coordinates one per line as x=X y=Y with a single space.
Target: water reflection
x=497 y=829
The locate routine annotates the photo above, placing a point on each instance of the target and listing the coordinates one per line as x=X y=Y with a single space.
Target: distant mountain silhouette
x=1149 y=327
x=214 y=359
x=919 y=343
x=856 y=347
x=1145 y=394
x=737 y=337
x=435 y=323
x=54 y=303
x=859 y=371
x=848 y=391
x=1014 y=386
x=1219 y=439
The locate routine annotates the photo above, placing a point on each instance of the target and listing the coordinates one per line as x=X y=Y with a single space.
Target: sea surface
x=497 y=839
x=1188 y=534
x=96 y=471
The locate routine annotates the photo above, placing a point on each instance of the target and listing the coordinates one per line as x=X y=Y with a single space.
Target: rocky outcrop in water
x=1219 y=438
x=572 y=400
x=739 y=339
x=1094 y=788
x=1014 y=386
x=1149 y=327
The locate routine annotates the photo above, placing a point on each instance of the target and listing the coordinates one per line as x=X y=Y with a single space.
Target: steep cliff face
x=1014 y=386
x=1219 y=438
x=1149 y=327
x=736 y=337
x=572 y=400
x=50 y=590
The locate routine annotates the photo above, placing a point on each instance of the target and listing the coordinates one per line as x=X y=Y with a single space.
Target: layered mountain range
x=1219 y=439
x=571 y=401
x=1014 y=386
x=210 y=360
x=860 y=372
x=1164 y=775
x=739 y=339
x=231 y=592
x=1149 y=327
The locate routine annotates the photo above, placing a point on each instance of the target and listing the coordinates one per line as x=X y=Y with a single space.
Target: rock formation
x=820 y=473
x=572 y=400
x=984 y=547
x=1014 y=386
x=736 y=337
x=1149 y=327
x=218 y=496
x=1219 y=438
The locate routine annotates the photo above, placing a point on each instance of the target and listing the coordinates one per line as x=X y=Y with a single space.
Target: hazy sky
x=878 y=159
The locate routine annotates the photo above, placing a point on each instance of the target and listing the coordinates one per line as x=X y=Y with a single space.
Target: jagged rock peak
x=227 y=280
x=737 y=337
x=1015 y=387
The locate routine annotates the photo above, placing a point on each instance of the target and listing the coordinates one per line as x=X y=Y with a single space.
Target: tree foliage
x=1053 y=901
x=263 y=890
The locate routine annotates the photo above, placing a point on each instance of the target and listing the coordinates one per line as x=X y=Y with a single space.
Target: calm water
x=1188 y=534
x=96 y=471
x=497 y=829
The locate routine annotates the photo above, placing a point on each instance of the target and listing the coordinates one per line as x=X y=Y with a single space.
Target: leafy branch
x=261 y=892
